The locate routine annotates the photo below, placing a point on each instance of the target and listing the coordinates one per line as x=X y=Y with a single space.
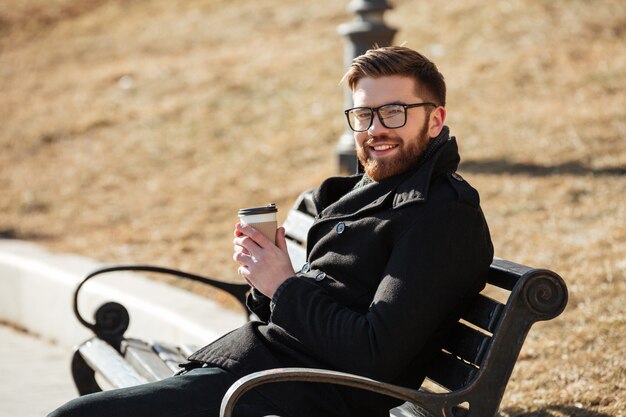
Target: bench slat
x=304 y=203
x=297 y=225
x=145 y=360
x=297 y=254
x=108 y=363
x=450 y=372
x=502 y=278
x=484 y=312
x=186 y=350
x=467 y=343
x=169 y=354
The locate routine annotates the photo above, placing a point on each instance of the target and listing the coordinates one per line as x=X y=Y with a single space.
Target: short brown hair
x=399 y=60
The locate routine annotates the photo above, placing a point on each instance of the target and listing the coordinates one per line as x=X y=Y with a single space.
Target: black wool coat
x=390 y=265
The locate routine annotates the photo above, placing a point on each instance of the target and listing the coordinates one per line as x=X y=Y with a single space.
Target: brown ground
x=132 y=131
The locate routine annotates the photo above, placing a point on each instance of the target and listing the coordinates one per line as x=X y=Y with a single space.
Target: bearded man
x=393 y=256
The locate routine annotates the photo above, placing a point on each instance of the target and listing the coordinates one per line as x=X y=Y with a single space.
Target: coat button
x=320 y=276
x=305 y=268
x=456 y=177
x=340 y=227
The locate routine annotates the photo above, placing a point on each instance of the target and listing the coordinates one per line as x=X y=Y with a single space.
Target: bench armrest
x=112 y=318
x=439 y=405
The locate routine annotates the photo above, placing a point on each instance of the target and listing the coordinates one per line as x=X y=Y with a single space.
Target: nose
x=377 y=126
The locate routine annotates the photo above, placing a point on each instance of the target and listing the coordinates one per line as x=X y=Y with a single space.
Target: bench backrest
x=297 y=224
x=491 y=330
x=480 y=351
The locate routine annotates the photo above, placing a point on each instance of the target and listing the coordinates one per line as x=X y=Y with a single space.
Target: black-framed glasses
x=392 y=116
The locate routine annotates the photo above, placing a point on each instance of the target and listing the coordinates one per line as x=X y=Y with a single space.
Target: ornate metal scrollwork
x=545 y=295
x=112 y=320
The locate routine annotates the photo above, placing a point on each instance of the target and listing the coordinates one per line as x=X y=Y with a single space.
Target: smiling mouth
x=383 y=147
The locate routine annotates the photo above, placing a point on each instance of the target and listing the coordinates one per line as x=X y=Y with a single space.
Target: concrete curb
x=36 y=289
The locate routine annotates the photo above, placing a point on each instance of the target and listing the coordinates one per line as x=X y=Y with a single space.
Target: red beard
x=409 y=156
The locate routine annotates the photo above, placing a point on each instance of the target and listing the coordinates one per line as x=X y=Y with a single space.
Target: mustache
x=373 y=140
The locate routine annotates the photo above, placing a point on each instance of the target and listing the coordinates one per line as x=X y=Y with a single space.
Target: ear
x=436 y=121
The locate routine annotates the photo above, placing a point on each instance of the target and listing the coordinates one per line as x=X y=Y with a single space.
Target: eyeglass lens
x=391 y=116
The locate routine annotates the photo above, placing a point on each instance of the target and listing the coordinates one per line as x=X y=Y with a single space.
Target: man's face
x=385 y=152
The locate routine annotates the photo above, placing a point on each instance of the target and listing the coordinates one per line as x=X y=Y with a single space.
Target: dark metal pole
x=366 y=30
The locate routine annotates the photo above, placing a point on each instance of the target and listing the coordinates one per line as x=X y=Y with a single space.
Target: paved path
x=35 y=375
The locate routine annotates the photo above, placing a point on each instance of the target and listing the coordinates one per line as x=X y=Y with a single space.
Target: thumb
x=281 y=241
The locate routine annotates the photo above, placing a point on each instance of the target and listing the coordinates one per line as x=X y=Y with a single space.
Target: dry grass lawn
x=133 y=131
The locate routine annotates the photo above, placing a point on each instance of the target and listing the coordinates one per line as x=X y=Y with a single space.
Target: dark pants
x=196 y=393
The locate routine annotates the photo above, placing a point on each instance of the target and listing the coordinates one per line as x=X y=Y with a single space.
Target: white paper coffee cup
x=261 y=218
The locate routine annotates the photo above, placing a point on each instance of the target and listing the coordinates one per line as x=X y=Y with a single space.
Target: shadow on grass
x=553 y=410
x=504 y=166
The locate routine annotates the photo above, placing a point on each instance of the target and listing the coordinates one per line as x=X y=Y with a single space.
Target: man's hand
x=264 y=265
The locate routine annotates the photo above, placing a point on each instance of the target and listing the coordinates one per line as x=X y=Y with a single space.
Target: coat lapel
x=364 y=198
x=415 y=188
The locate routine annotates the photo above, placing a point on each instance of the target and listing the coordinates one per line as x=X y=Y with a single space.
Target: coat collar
x=415 y=187
x=336 y=196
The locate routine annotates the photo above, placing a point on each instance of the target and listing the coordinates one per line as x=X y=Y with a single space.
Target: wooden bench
x=466 y=379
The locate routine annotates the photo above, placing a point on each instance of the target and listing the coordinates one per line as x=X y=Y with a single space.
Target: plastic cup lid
x=250 y=211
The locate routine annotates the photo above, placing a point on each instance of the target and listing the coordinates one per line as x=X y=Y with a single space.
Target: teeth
x=383 y=147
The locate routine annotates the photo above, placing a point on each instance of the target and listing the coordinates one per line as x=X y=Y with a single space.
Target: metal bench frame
x=476 y=360
x=472 y=369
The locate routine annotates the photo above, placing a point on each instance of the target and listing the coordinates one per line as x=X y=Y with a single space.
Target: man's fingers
x=254 y=234
x=246 y=242
x=244 y=259
x=244 y=273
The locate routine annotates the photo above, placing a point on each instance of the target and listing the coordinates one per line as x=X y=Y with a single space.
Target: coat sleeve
x=258 y=304
x=433 y=266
